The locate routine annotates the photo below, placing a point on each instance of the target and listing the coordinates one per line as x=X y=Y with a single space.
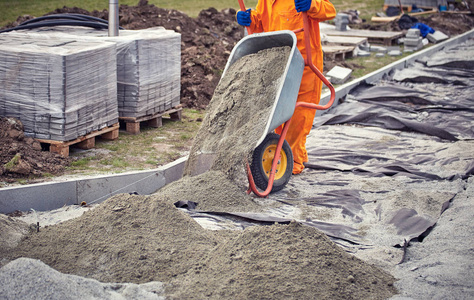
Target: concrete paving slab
x=339 y=74
x=437 y=37
x=413 y=33
x=362 y=53
x=395 y=53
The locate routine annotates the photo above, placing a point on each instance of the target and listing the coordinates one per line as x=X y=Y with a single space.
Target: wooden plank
x=373 y=36
x=85 y=142
x=132 y=128
x=394 y=18
x=176 y=115
x=337 y=52
x=456 y=12
x=346 y=40
x=154 y=120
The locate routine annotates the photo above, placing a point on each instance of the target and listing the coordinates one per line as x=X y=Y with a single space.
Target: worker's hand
x=243 y=17
x=302 y=5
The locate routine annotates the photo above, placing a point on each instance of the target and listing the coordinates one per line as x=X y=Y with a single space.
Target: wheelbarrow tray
x=287 y=91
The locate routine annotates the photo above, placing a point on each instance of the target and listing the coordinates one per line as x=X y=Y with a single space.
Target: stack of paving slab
x=413 y=40
x=341 y=21
x=59 y=89
x=148 y=66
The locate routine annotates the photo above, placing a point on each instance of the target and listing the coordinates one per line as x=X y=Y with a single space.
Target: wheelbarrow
x=272 y=160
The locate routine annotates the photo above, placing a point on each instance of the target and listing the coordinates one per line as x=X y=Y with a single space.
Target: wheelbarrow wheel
x=262 y=163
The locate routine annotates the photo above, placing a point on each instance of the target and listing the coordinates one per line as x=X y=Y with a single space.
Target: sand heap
x=135 y=238
x=282 y=262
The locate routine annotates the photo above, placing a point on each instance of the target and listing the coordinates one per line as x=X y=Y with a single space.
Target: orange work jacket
x=273 y=15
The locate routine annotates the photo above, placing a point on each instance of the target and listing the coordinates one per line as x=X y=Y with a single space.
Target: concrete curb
x=48 y=196
x=52 y=195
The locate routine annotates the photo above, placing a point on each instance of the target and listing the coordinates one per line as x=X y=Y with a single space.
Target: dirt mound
x=22 y=157
x=445 y=23
x=127 y=238
x=11 y=231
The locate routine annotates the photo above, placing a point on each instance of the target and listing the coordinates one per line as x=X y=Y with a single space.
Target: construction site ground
x=389 y=181
x=206 y=44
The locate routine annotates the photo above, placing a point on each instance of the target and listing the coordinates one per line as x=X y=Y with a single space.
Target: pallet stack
x=148 y=65
x=149 y=71
x=140 y=69
x=60 y=90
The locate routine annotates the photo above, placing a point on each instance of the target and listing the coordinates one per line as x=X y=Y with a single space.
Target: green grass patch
x=13 y=162
x=372 y=63
x=149 y=149
x=81 y=163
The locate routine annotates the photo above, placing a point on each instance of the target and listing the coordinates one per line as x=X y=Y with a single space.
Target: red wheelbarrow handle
x=242 y=8
x=309 y=62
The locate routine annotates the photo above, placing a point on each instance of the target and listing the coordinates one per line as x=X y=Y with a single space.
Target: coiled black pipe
x=66 y=16
x=62 y=20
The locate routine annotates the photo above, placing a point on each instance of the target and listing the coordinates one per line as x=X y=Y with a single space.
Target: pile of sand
x=282 y=262
x=138 y=239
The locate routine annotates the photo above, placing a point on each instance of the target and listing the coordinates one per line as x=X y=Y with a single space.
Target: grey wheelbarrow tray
x=287 y=91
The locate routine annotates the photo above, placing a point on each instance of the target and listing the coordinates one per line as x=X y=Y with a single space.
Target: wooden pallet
x=155 y=120
x=345 y=41
x=334 y=52
x=386 y=38
x=84 y=142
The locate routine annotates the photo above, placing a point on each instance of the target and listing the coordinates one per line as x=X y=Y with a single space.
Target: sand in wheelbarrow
x=138 y=239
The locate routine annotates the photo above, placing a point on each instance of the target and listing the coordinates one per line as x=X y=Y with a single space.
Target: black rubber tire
x=259 y=175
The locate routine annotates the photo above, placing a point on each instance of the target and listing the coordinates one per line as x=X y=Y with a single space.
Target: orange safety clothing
x=273 y=15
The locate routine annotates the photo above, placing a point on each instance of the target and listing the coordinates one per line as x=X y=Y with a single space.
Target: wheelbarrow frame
x=308 y=62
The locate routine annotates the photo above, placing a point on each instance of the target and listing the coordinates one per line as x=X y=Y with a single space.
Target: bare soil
x=22 y=157
x=449 y=24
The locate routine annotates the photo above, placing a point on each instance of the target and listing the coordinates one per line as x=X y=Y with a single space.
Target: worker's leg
x=300 y=126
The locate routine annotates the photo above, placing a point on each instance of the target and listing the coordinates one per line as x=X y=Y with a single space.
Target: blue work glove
x=302 y=5
x=243 y=17
x=424 y=29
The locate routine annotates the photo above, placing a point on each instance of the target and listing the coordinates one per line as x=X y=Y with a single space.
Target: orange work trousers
x=302 y=121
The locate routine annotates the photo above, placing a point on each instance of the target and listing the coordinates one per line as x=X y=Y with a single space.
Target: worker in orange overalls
x=272 y=15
